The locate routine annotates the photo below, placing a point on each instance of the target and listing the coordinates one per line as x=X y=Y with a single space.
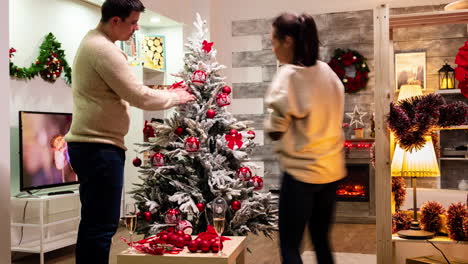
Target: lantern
x=446 y=77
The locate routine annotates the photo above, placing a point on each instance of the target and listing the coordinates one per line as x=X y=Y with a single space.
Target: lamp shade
x=409 y=90
x=417 y=163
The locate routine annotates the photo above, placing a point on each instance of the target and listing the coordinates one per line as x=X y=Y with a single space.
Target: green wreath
x=49 y=64
x=345 y=58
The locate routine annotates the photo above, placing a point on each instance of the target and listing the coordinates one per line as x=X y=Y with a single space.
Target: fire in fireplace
x=355 y=186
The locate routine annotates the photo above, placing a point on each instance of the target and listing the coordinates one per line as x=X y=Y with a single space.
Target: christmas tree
x=199 y=154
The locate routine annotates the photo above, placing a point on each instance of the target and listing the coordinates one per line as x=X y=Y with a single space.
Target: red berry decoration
x=244 y=174
x=232 y=132
x=199 y=78
x=137 y=162
x=223 y=100
x=257 y=182
x=251 y=134
x=172 y=216
x=193 y=246
x=157 y=160
x=205 y=246
x=226 y=89
x=236 y=205
x=201 y=207
x=216 y=246
x=192 y=144
x=179 y=131
x=148 y=217
x=210 y=113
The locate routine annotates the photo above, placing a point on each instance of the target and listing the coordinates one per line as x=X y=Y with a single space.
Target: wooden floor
x=350 y=238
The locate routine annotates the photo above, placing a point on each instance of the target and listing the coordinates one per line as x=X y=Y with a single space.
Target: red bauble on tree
x=236 y=205
x=223 y=100
x=201 y=207
x=179 y=131
x=226 y=89
x=233 y=132
x=244 y=174
x=199 y=78
x=172 y=216
x=192 y=144
x=148 y=217
x=251 y=134
x=148 y=131
x=137 y=162
x=157 y=160
x=257 y=182
x=210 y=113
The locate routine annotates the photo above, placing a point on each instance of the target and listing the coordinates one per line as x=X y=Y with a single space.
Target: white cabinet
x=45 y=223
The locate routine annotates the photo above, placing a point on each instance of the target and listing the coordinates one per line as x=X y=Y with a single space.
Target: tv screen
x=44 y=160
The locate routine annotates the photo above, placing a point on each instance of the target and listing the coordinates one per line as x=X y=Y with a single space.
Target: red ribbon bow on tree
x=148 y=130
x=177 y=85
x=234 y=140
x=207 y=46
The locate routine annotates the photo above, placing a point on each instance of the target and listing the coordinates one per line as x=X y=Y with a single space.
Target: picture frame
x=154 y=52
x=410 y=68
x=131 y=48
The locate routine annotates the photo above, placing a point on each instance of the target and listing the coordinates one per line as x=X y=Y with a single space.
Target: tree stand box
x=433 y=260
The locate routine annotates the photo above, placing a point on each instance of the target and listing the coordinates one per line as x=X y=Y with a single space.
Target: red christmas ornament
x=180 y=242
x=157 y=160
x=193 y=246
x=244 y=174
x=137 y=162
x=210 y=113
x=199 y=78
x=236 y=205
x=226 y=90
x=192 y=144
x=233 y=132
x=207 y=46
x=172 y=216
x=201 y=207
x=257 y=182
x=148 y=131
x=163 y=238
x=188 y=237
x=251 y=134
x=223 y=100
x=173 y=238
x=179 y=131
x=185 y=227
x=180 y=233
x=205 y=246
x=148 y=216
x=215 y=246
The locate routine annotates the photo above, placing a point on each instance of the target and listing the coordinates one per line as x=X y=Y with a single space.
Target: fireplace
x=355 y=186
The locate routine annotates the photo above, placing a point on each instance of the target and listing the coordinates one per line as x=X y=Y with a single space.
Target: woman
x=306 y=104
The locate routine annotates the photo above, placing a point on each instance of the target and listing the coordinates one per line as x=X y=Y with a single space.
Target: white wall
x=5 y=256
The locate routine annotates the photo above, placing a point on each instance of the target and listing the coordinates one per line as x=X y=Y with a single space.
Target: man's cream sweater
x=306 y=104
x=103 y=86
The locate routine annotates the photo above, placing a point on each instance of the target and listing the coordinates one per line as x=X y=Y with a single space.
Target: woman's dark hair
x=120 y=8
x=303 y=30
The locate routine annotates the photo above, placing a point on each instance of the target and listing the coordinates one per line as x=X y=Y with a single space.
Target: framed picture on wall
x=410 y=68
x=154 y=49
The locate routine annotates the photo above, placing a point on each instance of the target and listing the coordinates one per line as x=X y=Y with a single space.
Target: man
x=103 y=87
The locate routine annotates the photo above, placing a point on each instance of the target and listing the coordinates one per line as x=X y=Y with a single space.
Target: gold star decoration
x=356 y=117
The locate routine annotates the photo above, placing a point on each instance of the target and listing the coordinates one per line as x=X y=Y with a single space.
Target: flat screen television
x=44 y=160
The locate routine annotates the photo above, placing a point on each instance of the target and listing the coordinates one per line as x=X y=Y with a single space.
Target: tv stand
x=60 y=192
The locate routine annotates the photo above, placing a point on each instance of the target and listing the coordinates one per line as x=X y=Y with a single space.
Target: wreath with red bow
x=343 y=58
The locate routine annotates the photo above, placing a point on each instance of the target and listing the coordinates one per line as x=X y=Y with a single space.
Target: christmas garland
x=346 y=58
x=49 y=64
x=413 y=118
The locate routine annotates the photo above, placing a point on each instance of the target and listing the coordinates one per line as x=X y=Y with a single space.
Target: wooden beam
x=383 y=94
x=429 y=18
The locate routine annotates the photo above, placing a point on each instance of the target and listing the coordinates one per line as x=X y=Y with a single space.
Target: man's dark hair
x=303 y=30
x=120 y=8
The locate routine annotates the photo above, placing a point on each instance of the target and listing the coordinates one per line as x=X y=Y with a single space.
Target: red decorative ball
x=172 y=216
x=137 y=162
x=257 y=182
x=251 y=134
x=232 y=132
x=236 y=205
x=226 y=89
x=210 y=113
x=205 y=246
x=173 y=239
x=148 y=217
x=179 y=131
x=180 y=233
x=163 y=238
x=192 y=144
x=223 y=100
x=180 y=242
x=193 y=246
x=216 y=246
x=188 y=237
x=157 y=160
x=244 y=174
x=185 y=226
x=201 y=207
x=199 y=78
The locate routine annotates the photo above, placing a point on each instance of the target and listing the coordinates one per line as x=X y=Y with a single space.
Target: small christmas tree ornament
x=185 y=226
x=205 y=246
x=223 y=100
x=232 y=132
x=236 y=205
x=172 y=216
x=207 y=46
x=199 y=78
x=244 y=174
x=192 y=144
x=210 y=113
x=179 y=131
x=234 y=141
x=148 y=217
x=157 y=160
x=148 y=131
x=137 y=162
x=200 y=207
x=193 y=246
x=257 y=182
x=250 y=134
x=226 y=90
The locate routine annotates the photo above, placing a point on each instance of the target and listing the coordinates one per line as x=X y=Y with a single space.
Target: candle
x=447 y=83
